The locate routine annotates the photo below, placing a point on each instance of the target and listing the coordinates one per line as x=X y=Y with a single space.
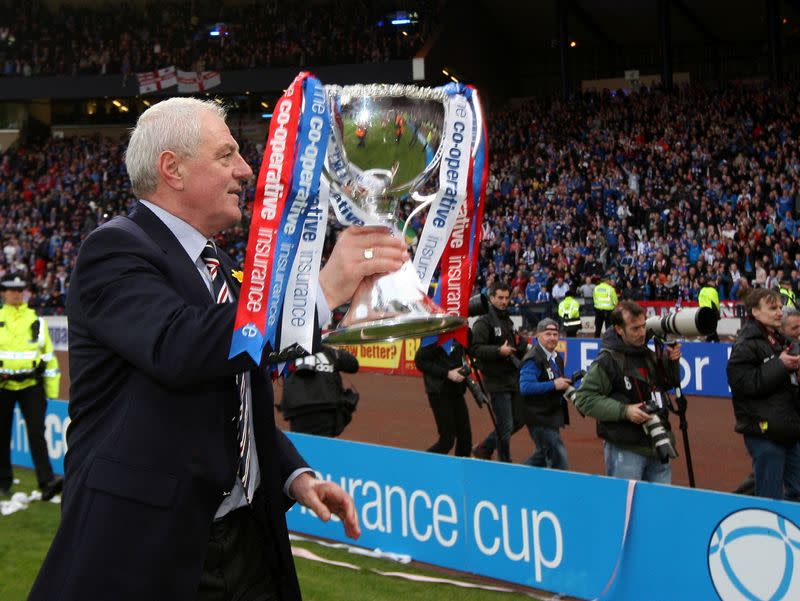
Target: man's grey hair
x=172 y=124
x=788 y=313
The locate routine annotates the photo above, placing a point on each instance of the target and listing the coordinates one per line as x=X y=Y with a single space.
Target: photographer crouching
x=498 y=349
x=315 y=400
x=622 y=392
x=762 y=374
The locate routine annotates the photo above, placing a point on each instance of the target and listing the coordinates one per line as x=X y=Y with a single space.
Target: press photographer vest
x=500 y=374
x=630 y=387
x=545 y=409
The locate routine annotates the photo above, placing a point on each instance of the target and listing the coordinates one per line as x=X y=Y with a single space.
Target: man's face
x=791 y=327
x=12 y=296
x=633 y=332
x=768 y=313
x=500 y=299
x=548 y=339
x=213 y=178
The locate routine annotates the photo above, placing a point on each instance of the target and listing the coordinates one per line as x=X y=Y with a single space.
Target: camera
x=476 y=391
x=654 y=428
x=569 y=393
x=700 y=321
x=478 y=305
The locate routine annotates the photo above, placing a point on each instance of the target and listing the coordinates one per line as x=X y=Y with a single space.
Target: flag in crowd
x=153 y=81
x=198 y=81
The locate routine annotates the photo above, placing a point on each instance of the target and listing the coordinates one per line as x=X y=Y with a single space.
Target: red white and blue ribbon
x=459 y=132
x=459 y=261
x=287 y=189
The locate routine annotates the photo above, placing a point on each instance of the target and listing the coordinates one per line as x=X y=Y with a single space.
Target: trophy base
x=390 y=306
x=388 y=330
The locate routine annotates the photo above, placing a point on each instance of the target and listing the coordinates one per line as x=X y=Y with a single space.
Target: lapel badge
x=237 y=275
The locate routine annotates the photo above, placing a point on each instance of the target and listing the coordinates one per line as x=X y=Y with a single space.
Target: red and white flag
x=198 y=81
x=153 y=81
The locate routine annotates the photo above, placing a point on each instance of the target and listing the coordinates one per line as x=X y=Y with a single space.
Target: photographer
x=542 y=384
x=445 y=386
x=621 y=391
x=498 y=350
x=314 y=398
x=762 y=374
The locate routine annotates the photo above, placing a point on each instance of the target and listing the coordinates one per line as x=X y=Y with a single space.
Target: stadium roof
x=635 y=22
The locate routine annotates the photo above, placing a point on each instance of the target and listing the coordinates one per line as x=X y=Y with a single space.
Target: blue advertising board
x=702 y=364
x=559 y=531
x=56 y=421
x=573 y=534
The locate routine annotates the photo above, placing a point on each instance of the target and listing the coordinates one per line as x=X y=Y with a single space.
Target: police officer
x=569 y=311
x=787 y=294
x=605 y=299
x=622 y=382
x=709 y=297
x=498 y=349
x=314 y=398
x=542 y=384
x=29 y=375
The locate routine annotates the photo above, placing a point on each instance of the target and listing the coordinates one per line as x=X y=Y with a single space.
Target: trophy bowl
x=385 y=147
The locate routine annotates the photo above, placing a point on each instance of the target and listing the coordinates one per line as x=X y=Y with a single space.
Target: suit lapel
x=182 y=271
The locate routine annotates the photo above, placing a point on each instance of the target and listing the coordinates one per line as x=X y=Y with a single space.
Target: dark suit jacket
x=152 y=443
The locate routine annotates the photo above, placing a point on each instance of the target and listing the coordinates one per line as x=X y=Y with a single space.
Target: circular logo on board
x=754 y=555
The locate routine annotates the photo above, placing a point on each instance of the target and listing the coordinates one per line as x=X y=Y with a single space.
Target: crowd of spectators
x=663 y=193
x=660 y=192
x=122 y=38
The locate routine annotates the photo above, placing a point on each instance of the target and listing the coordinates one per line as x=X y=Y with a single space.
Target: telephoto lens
x=655 y=429
x=569 y=393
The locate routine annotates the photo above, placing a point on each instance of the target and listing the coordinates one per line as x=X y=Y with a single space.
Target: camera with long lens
x=473 y=387
x=654 y=428
x=699 y=321
x=569 y=393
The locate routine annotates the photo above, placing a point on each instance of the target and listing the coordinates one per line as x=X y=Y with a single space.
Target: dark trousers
x=505 y=406
x=452 y=423
x=33 y=404
x=776 y=468
x=236 y=566
x=600 y=317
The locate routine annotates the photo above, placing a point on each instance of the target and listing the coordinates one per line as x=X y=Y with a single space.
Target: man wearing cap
x=542 y=383
x=29 y=375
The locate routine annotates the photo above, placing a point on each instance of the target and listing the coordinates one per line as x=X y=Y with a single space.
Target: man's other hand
x=324 y=498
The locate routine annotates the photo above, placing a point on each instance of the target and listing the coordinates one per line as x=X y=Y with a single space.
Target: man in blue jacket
x=542 y=384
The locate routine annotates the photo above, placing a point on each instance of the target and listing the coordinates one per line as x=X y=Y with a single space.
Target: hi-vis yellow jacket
x=26 y=352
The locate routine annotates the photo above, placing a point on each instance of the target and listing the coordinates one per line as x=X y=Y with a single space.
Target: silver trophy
x=385 y=147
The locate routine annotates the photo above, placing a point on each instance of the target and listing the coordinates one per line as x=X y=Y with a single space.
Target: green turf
x=25 y=537
x=24 y=540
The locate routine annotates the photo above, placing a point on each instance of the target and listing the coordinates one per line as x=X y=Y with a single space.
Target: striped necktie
x=554 y=367
x=222 y=295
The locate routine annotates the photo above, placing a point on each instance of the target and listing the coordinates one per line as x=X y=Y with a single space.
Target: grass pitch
x=25 y=538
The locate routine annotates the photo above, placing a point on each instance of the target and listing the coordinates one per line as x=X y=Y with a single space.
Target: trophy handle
x=424 y=202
